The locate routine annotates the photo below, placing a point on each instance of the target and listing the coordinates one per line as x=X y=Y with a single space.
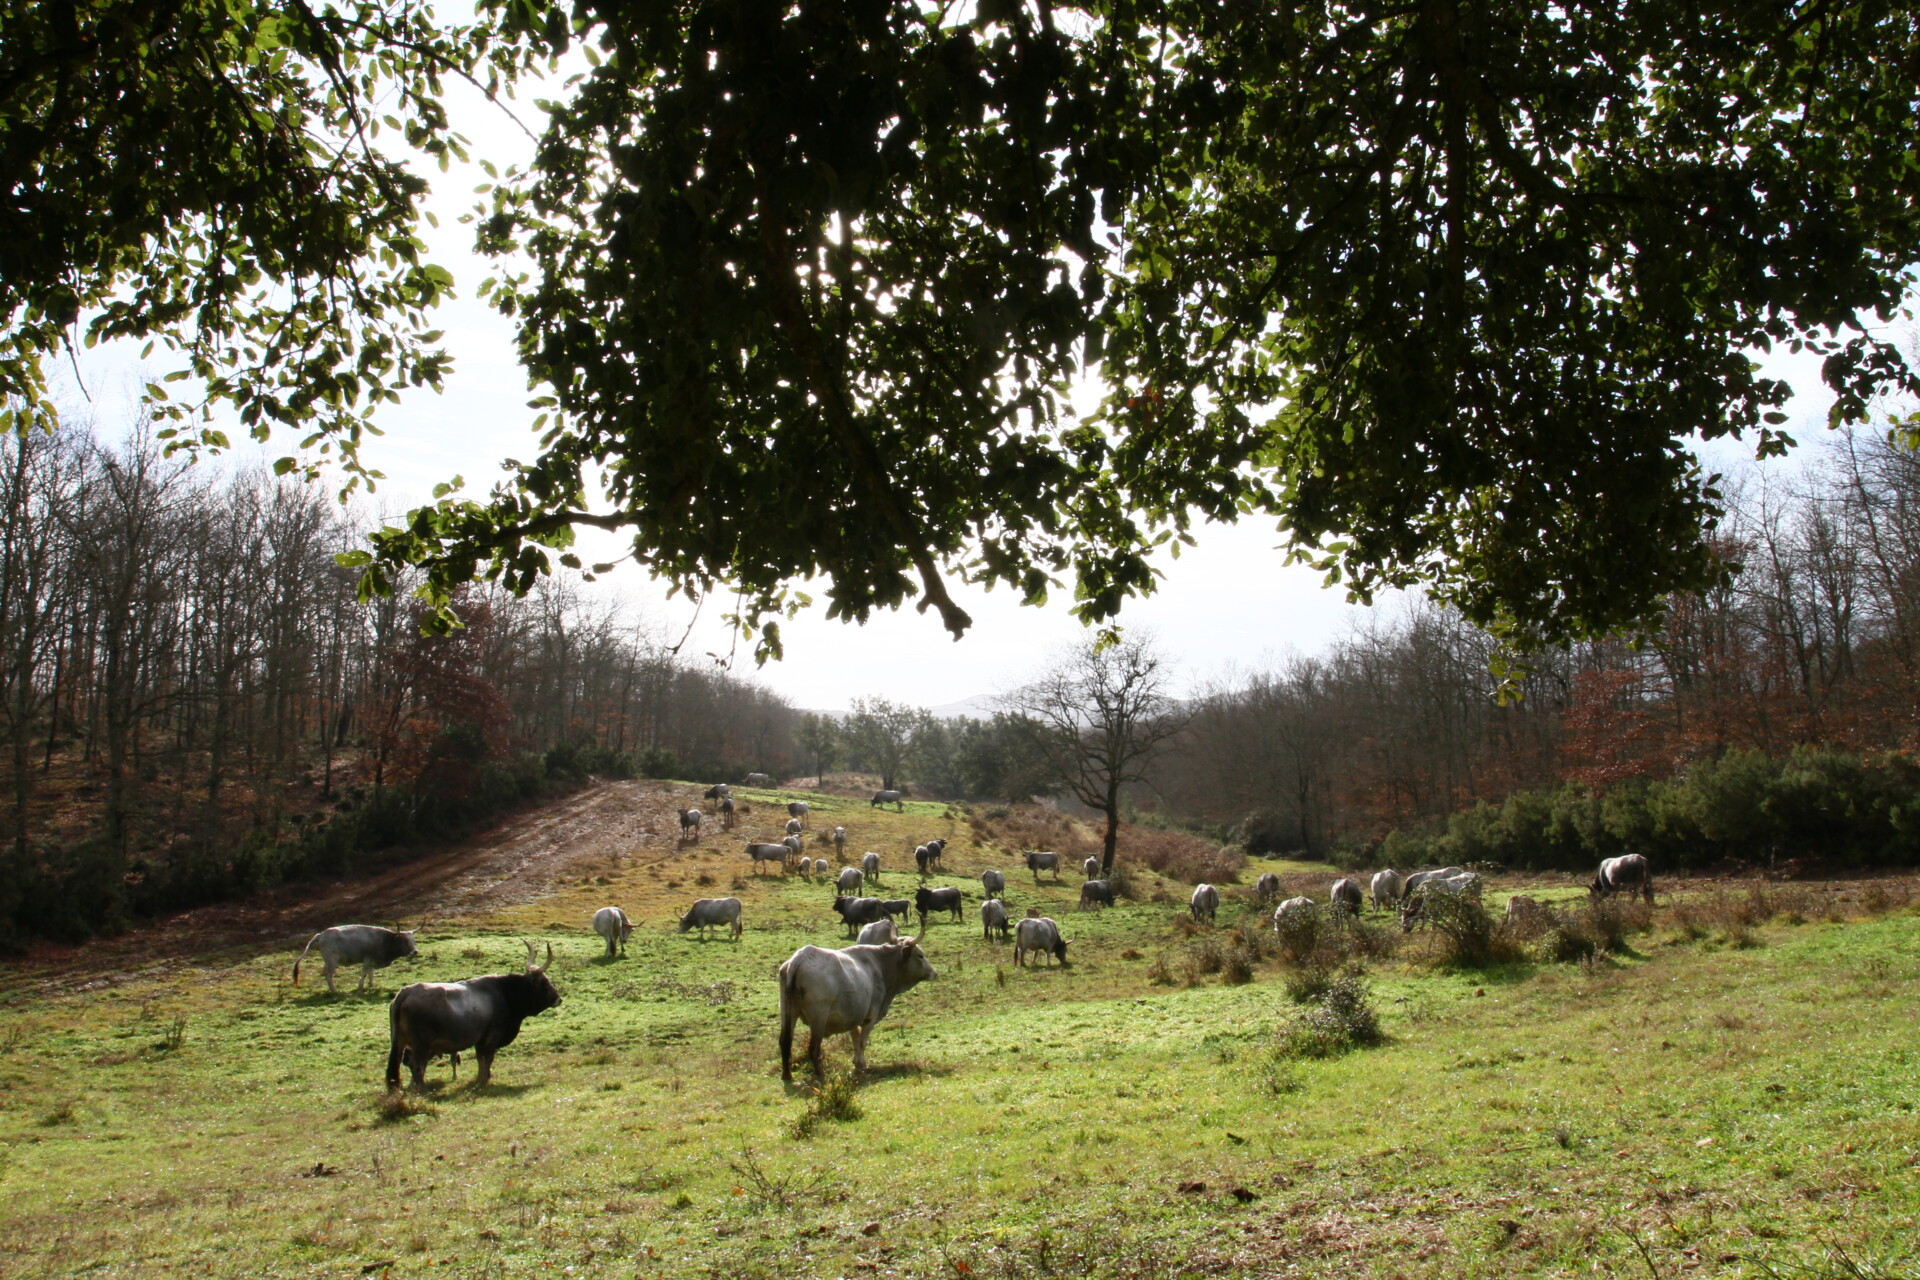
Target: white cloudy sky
x=1229 y=604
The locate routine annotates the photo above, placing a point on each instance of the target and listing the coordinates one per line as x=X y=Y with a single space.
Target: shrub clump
x=1342 y=1019
x=1466 y=935
x=832 y=1099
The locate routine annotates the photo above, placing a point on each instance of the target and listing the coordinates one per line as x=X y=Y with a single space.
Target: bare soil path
x=512 y=862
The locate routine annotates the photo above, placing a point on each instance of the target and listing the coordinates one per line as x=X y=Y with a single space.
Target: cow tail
x=393 y=1051
x=789 y=1011
x=303 y=958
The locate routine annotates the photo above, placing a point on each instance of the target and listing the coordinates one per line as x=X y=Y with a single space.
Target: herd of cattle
x=847 y=989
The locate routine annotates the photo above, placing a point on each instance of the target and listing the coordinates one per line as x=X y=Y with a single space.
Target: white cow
x=1267 y=887
x=1038 y=862
x=848 y=885
x=839 y=844
x=870 y=866
x=1346 y=896
x=612 y=924
x=878 y=931
x=846 y=990
x=993 y=919
x=1630 y=872
x=1204 y=903
x=367 y=945
x=1090 y=868
x=1293 y=911
x=993 y=882
x=1385 y=888
x=1038 y=934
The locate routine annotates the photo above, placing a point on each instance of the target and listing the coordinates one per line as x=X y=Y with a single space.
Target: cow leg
x=816 y=1046
x=333 y=962
x=366 y=977
x=860 y=1047
x=484 y=1056
x=417 y=1063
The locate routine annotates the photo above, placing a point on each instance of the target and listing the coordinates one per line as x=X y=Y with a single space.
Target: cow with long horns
x=428 y=1019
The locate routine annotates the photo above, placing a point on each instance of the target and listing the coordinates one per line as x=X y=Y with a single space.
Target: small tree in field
x=1099 y=714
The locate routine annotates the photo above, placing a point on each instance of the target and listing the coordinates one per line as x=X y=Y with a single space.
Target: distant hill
x=980 y=706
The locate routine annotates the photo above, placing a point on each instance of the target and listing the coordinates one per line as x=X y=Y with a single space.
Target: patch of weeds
x=1465 y=935
x=1308 y=982
x=66 y=1111
x=1160 y=972
x=1279 y=1075
x=1236 y=967
x=1203 y=956
x=397 y=1106
x=833 y=1099
x=473 y=953
x=175 y=1035
x=1579 y=934
x=786 y=1192
x=703 y=879
x=1342 y=1019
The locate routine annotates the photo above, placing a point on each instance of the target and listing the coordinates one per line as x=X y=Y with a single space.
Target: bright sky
x=1230 y=604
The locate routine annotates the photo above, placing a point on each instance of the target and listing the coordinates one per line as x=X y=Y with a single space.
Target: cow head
x=408 y=947
x=914 y=966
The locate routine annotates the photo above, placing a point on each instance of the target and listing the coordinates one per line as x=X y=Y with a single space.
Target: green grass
x=1695 y=1109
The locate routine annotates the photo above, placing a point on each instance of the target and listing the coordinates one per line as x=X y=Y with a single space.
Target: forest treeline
x=1773 y=717
x=194 y=702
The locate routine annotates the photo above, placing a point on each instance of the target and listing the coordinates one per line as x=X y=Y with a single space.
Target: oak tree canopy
x=1441 y=289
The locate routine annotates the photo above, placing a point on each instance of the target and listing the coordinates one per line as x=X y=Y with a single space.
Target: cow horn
x=528 y=943
x=543 y=968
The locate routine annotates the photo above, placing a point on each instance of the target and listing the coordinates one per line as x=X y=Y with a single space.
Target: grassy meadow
x=1735 y=1091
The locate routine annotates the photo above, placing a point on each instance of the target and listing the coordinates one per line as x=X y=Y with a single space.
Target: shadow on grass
x=908 y=1070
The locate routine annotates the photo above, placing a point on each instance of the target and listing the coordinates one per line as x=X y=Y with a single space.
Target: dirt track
x=512 y=862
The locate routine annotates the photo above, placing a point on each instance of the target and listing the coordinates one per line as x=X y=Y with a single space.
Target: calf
x=993 y=882
x=1090 y=868
x=1094 y=894
x=870 y=867
x=612 y=924
x=896 y=906
x=710 y=912
x=805 y=869
x=726 y=813
x=367 y=945
x=793 y=826
x=923 y=859
x=1038 y=862
x=926 y=901
x=428 y=1019
x=839 y=844
x=993 y=919
x=847 y=990
x=689 y=825
x=1037 y=934
x=1204 y=903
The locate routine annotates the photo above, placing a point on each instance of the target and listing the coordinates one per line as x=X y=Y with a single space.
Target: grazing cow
x=367 y=945
x=794 y=845
x=1090 y=869
x=993 y=919
x=1292 y=912
x=1095 y=893
x=797 y=810
x=1204 y=902
x=726 y=813
x=846 y=990
x=927 y=901
x=1267 y=887
x=770 y=853
x=805 y=869
x=854 y=912
x=993 y=882
x=1038 y=862
x=896 y=906
x=612 y=924
x=718 y=791
x=1346 y=896
x=1038 y=934
x=428 y=1019
x=689 y=825
x=757 y=780
x=1385 y=888
x=793 y=826
x=710 y=912
x=1413 y=908
x=1418 y=878
x=839 y=844
x=848 y=885
x=895 y=798
x=1630 y=872
x=870 y=867
x=880 y=930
